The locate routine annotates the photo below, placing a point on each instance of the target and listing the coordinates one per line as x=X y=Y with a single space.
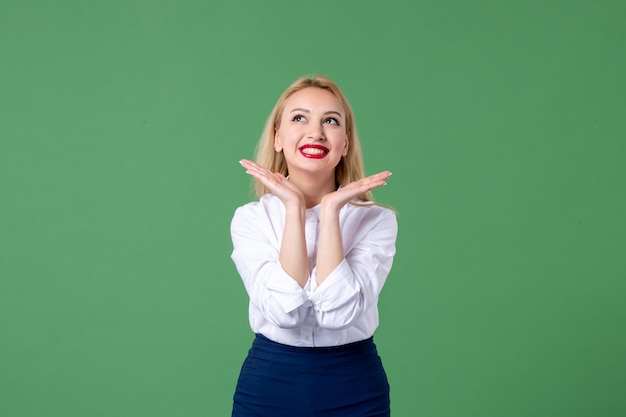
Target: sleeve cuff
x=338 y=288
x=285 y=290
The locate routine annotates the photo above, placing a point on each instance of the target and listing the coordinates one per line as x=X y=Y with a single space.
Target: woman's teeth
x=314 y=151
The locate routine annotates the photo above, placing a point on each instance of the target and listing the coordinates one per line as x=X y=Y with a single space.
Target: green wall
x=121 y=124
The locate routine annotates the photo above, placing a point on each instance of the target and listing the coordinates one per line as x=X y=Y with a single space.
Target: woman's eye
x=332 y=121
x=298 y=118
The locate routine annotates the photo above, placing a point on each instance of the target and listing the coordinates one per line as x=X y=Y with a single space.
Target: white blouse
x=343 y=309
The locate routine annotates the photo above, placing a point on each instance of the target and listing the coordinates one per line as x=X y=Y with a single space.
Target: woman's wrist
x=295 y=208
x=329 y=210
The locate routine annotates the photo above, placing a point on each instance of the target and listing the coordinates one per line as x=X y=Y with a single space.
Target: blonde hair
x=349 y=169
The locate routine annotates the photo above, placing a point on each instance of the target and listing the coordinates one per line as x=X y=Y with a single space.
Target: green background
x=121 y=124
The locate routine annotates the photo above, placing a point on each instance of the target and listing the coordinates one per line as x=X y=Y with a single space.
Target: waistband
x=263 y=342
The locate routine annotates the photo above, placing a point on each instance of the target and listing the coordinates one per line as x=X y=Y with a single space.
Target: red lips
x=313 y=151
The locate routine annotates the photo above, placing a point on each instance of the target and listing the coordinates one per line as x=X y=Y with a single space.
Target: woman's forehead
x=314 y=99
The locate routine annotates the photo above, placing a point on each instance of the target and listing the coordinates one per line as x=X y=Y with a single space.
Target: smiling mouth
x=313 y=151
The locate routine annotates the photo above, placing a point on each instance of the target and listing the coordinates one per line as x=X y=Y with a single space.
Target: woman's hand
x=275 y=182
x=342 y=196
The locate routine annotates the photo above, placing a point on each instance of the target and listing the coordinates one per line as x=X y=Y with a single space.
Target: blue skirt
x=278 y=380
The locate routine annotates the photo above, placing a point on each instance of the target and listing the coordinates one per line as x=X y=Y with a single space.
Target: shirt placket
x=310 y=234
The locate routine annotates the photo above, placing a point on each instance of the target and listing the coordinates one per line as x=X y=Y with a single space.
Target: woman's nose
x=316 y=131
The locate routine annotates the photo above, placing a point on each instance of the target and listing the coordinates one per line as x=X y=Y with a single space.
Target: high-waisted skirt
x=278 y=380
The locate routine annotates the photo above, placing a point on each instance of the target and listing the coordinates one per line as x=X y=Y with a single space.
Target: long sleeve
x=256 y=248
x=354 y=286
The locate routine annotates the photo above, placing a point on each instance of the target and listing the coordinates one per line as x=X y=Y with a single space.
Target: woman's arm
x=293 y=254
x=352 y=288
x=330 y=251
x=256 y=251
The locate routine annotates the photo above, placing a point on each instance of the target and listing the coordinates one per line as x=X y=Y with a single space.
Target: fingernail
x=390 y=174
x=241 y=161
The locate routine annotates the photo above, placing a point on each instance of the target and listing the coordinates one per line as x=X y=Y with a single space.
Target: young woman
x=313 y=253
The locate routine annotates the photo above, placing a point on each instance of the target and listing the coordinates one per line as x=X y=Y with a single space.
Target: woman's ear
x=278 y=147
x=345 y=148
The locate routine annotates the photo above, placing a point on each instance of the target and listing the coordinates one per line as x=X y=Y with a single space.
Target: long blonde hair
x=349 y=169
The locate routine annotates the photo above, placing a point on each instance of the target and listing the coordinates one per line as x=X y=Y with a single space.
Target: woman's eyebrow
x=298 y=109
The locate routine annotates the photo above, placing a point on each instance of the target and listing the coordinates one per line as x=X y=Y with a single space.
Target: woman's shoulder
x=266 y=204
x=370 y=207
x=370 y=211
x=252 y=216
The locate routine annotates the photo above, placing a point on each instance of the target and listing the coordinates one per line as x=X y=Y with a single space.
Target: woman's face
x=312 y=133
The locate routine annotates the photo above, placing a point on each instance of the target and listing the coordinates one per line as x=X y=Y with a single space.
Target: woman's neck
x=313 y=187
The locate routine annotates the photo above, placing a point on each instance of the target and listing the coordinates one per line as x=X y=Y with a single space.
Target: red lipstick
x=313 y=151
